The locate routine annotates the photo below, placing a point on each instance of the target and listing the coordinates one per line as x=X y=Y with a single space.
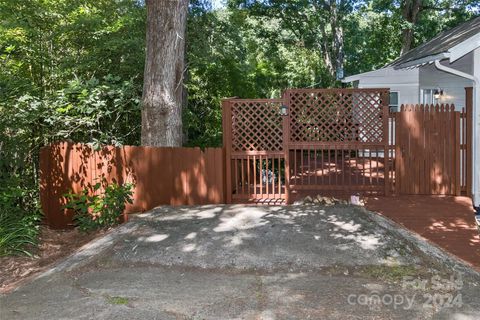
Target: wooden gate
x=338 y=141
x=310 y=140
x=428 y=150
x=253 y=137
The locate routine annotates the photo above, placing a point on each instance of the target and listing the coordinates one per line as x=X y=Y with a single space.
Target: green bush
x=18 y=229
x=99 y=112
x=95 y=208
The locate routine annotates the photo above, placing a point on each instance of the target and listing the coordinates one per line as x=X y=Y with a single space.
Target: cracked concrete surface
x=243 y=262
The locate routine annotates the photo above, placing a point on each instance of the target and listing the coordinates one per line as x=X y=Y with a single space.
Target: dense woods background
x=72 y=69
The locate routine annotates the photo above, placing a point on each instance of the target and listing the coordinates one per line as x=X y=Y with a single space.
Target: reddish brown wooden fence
x=343 y=141
x=427 y=153
x=466 y=138
x=338 y=140
x=253 y=139
x=430 y=149
x=328 y=140
x=171 y=176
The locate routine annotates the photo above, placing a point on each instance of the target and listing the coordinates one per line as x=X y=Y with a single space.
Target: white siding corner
x=452 y=85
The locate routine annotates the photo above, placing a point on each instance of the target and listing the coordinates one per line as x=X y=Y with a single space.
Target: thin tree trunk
x=337 y=30
x=325 y=49
x=410 y=11
x=164 y=71
x=340 y=52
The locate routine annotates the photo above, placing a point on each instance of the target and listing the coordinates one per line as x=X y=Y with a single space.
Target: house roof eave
x=422 y=61
x=353 y=78
x=457 y=39
x=464 y=47
x=358 y=76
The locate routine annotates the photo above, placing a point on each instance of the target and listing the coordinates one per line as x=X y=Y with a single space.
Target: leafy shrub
x=95 y=209
x=97 y=111
x=18 y=229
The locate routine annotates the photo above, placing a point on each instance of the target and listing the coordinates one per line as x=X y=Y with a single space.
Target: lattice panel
x=345 y=115
x=256 y=126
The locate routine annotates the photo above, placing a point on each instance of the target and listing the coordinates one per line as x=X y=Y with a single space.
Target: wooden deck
x=446 y=221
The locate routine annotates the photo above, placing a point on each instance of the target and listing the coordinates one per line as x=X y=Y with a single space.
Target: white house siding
x=452 y=85
x=406 y=82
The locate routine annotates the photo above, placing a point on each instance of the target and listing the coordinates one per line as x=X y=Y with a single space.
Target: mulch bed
x=53 y=246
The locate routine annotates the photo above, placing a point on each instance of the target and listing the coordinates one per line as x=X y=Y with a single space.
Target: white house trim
x=358 y=76
x=379 y=85
x=464 y=47
x=456 y=72
x=476 y=130
x=422 y=61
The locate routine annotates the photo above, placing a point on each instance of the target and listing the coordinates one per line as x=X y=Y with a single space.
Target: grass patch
x=18 y=232
x=390 y=273
x=117 y=300
x=402 y=250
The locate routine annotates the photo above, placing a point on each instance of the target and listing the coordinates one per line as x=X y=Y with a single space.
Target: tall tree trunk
x=337 y=30
x=326 y=50
x=410 y=11
x=332 y=44
x=164 y=71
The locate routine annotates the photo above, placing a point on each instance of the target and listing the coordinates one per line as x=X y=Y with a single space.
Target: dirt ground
x=53 y=245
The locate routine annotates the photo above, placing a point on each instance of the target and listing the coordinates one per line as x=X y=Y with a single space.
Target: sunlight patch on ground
x=154 y=238
x=349 y=226
x=238 y=238
x=450 y=226
x=245 y=218
x=206 y=213
x=191 y=236
x=189 y=247
x=349 y=230
x=367 y=242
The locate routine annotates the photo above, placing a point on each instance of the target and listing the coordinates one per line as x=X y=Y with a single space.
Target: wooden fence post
x=457 y=164
x=227 y=144
x=286 y=140
x=398 y=151
x=468 y=139
x=385 y=96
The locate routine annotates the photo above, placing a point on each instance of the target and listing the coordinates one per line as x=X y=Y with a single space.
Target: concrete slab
x=238 y=262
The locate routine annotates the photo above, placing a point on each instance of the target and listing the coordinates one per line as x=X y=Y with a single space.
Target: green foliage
x=106 y=111
x=100 y=205
x=69 y=69
x=18 y=231
x=46 y=43
x=118 y=300
x=245 y=56
x=254 y=48
x=88 y=111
